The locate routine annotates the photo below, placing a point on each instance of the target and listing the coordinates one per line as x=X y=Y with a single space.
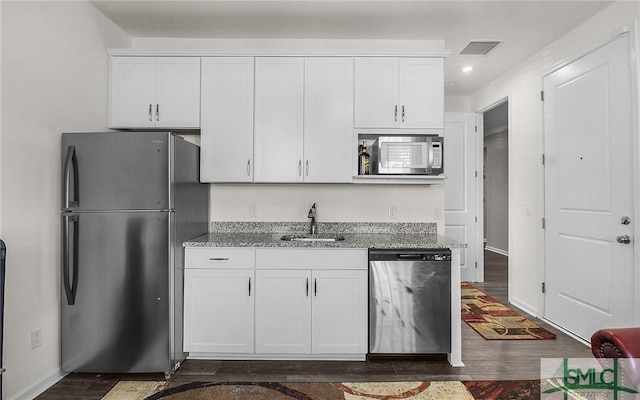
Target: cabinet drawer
x=291 y=258
x=222 y=257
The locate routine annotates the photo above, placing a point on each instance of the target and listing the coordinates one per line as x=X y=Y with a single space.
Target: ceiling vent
x=479 y=48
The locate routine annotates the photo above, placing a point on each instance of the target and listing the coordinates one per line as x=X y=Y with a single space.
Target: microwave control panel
x=437 y=155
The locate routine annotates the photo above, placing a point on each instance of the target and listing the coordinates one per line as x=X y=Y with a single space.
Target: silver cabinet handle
x=299 y=167
x=150 y=112
x=402 y=113
x=307 y=167
x=219 y=259
x=395 y=114
x=249 y=167
x=624 y=239
x=157 y=112
x=315 y=287
x=249 y=286
x=307 y=287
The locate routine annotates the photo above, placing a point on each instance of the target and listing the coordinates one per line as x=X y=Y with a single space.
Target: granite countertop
x=356 y=235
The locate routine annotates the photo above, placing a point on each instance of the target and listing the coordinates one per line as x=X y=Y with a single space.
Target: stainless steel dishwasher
x=409 y=301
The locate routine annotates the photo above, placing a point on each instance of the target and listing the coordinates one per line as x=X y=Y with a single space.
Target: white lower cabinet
x=283 y=312
x=218 y=311
x=305 y=303
x=318 y=312
x=339 y=313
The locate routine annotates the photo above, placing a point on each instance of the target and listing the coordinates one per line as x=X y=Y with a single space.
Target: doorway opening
x=495 y=174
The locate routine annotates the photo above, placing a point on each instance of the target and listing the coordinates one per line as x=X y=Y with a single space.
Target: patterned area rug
x=450 y=390
x=493 y=320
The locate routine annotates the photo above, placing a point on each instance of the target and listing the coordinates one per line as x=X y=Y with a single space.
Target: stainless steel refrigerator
x=129 y=199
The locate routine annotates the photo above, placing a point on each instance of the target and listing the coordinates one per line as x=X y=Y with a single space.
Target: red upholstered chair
x=619 y=343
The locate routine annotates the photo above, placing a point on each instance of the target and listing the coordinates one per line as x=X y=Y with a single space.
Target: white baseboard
x=532 y=311
x=39 y=387
x=586 y=342
x=495 y=250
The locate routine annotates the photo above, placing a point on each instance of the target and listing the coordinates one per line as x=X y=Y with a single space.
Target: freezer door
x=116 y=291
x=116 y=171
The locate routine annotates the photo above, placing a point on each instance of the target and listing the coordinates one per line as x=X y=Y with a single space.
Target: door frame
x=632 y=31
x=496 y=101
x=476 y=258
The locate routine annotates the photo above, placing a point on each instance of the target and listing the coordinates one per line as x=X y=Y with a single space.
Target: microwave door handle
x=430 y=164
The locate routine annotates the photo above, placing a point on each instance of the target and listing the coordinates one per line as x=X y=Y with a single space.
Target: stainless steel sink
x=312 y=238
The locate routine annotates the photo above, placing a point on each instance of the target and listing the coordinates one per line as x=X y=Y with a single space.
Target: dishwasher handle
x=410 y=257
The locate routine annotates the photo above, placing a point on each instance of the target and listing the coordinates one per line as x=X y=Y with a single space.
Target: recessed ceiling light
x=468 y=68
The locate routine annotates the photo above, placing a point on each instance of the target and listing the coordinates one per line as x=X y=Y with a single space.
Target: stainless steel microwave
x=408 y=155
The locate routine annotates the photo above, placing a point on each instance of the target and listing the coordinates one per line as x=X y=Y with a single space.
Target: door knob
x=625 y=239
x=625 y=220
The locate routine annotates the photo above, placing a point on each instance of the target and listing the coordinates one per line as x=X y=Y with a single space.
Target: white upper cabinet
x=303 y=119
x=328 y=119
x=226 y=132
x=278 y=130
x=155 y=92
x=393 y=92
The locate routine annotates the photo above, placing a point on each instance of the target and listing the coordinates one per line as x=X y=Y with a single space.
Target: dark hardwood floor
x=483 y=359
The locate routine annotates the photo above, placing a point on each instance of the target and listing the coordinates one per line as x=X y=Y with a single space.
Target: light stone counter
x=356 y=235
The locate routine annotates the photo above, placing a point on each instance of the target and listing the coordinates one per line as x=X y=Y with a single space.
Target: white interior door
x=460 y=192
x=589 y=187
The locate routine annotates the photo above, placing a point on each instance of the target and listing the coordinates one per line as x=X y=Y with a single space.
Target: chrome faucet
x=314 y=223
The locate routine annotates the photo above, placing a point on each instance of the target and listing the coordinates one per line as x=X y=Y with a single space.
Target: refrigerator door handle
x=70 y=288
x=71 y=163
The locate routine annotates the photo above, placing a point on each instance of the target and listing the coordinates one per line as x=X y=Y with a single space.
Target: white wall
x=496 y=189
x=54 y=79
x=335 y=203
x=523 y=84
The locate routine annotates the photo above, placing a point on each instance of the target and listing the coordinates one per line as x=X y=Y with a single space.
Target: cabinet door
x=226 y=131
x=328 y=120
x=218 y=311
x=421 y=93
x=177 y=92
x=376 y=92
x=132 y=95
x=278 y=145
x=283 y=311
x=340 y=312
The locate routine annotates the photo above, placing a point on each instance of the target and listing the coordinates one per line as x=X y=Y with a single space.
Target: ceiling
x=523 y=27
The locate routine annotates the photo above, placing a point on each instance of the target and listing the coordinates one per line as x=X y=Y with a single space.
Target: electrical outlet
x=36 y=338
x=393 y=212
x=253 y=210
x=437 y=213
